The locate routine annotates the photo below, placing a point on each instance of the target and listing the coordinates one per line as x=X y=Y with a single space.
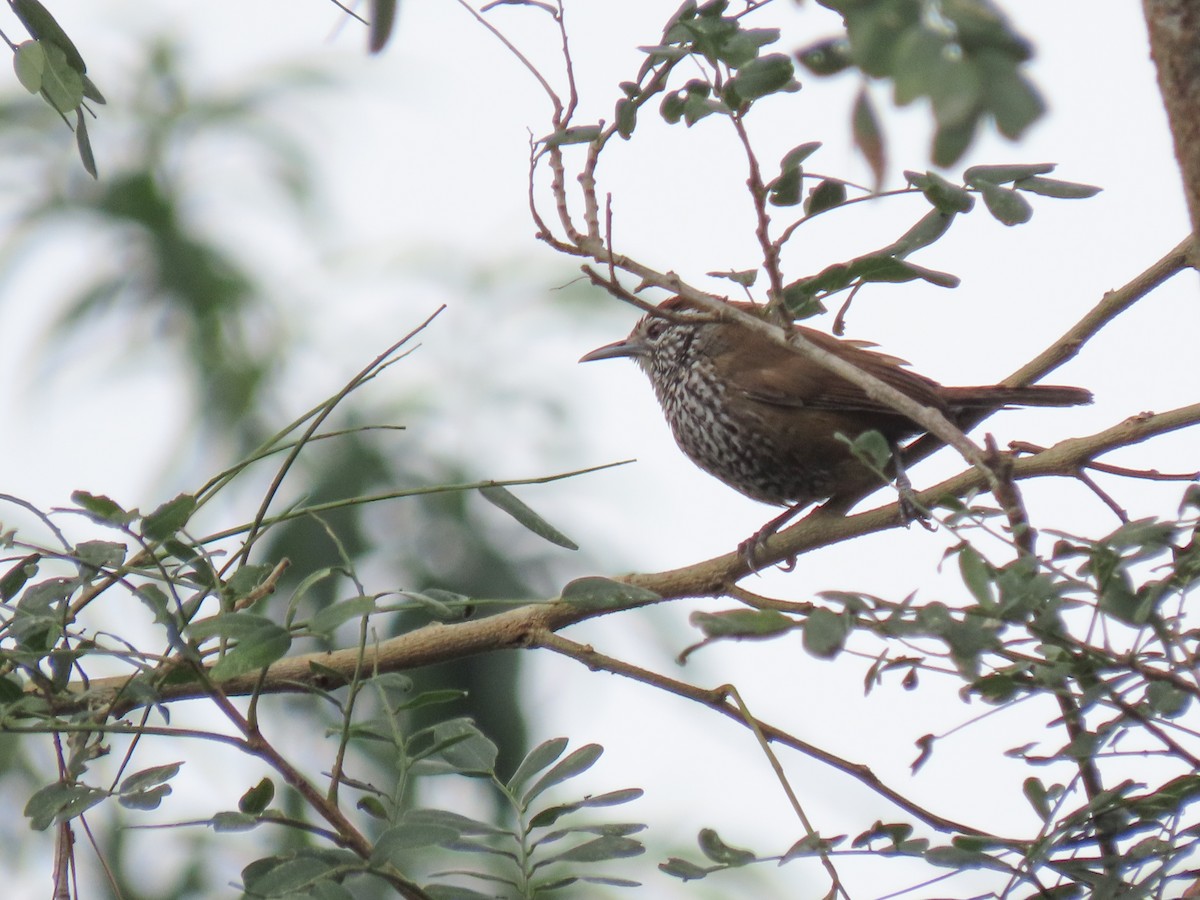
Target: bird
x=773 y=424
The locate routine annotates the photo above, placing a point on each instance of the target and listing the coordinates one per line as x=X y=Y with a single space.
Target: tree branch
x=522 y=627
x=1173 y=26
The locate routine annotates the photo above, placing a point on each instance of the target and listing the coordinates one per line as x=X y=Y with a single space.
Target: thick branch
x=1174 y=27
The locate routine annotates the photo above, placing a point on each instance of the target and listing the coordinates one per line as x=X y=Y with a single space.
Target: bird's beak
x=628 y=347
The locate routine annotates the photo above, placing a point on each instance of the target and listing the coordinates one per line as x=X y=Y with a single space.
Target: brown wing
x=780 y=377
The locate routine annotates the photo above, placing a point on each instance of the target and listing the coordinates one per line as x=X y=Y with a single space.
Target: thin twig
x=718 y=701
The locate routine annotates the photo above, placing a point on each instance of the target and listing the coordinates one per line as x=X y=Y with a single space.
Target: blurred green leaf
x=594 y=592
x=506 y=500
x=383 y=18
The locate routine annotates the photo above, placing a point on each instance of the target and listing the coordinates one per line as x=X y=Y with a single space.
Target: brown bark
x=1174 y=27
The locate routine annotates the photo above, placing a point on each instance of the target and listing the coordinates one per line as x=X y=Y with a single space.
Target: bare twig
x=718 y=700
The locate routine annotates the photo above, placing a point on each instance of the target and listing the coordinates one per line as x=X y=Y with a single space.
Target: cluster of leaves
x=51 y=65
x=804 y=297
x=537 y=853
x=46 y=656
x=736 y=73
x=1002 y=189
x=881 y=839
x=964 y=57
x=1102 y=623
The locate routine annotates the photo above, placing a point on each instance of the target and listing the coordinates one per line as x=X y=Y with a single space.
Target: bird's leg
x=750 y=547
x=910 y=508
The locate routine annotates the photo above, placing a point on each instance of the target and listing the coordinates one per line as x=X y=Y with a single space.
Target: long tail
x=993 y=396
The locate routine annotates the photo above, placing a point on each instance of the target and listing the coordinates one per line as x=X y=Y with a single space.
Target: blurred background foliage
x=159 y=276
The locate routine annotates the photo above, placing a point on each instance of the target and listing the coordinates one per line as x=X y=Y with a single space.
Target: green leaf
x=462 y=748
x=962 y=858
x=432 y=698
x=576 y=763
x=259 y=642
x=92 y=92
x=396 y=842
x=681 y=868
x=535 y=760
x=594 y=592
x=550 y=815
x=43 y=26
x=233 y=821
x=445 y=606
x=976 y=575
x=150 y=798
x=156 y=600
x=1052 y=187
x=508 y=501
x=455 y=892
x=719 y=852
x=976 y=176
x=1013 y=102
x=626 y=117
x=383 y=18
x=82 y=141
x=102 y=509
x=99 y=554
x=868 y=135
x=1035 y=793
x=825 y=633
x=29 y=62
x=945 y=195
x=785 y=190
x=797 y=155
x=916 y=68
x=231 y=625
x=828 y=57
x=1007 y=206
x=742 y=623
x=1167 y=700
x=14 y=579
x=37 y=620
x=169 y=518
x=811 y=845
x=373 y=807
x=151 y=777
x=253 y=655
x=826 y=195
x=10 y=691
x=896 y=832
x=950 y=142
x=598 y=850
x=62 y=83
x=871 y=448
x=743 y=277
x=578 y=134
x=327 y=620
x=446 y=819
x=956 y=91
x=744 y=45
x=928 y=229
x=59 y=802
x=256 y=800
x=760 y=77
x=246 y=579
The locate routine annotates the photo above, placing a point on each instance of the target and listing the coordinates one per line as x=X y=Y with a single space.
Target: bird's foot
x=752 y=548
x=911 y=509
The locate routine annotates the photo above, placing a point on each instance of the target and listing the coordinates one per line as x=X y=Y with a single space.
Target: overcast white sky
x=423 y=156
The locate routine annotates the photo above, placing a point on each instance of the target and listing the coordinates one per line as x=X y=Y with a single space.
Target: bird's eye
x=655 y=328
